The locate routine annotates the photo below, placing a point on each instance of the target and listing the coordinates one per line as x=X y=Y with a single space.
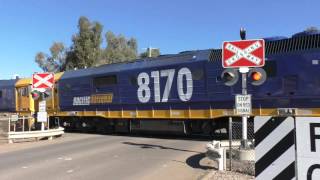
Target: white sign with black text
x=308 y=147
x=42 y=116
x=243 y=104
x=42 y=106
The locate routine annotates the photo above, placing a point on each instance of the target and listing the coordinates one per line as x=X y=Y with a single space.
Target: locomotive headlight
x=257 y=76
x=230 y=77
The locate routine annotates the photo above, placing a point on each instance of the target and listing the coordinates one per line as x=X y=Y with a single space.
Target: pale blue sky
x=29 y=26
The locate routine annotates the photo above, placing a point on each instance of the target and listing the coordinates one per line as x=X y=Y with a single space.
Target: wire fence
x=240 y=160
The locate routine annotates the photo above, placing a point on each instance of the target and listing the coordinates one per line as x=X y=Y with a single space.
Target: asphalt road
x=89 y=156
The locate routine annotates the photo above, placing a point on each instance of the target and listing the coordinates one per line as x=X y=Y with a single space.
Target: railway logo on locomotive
x=245 y=53
x=184 y=85
x=93 y=99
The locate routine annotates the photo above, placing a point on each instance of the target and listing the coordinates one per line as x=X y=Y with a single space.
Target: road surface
x=90 y=156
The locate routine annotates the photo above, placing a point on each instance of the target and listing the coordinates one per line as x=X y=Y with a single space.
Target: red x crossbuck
x=42 y=81
x=245 y=53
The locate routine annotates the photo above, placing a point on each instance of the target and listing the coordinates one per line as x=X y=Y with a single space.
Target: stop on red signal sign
x=245 y=53
x=42 y=81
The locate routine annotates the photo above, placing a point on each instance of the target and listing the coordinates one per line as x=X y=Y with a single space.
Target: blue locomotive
x=187 y=92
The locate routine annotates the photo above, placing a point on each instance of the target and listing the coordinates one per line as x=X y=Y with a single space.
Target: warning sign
x=245 y=53
x=308 y=147
x=243 y=104
x=42 y=116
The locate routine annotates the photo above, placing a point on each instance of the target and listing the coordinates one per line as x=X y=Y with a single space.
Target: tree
x=86 y=50
x=119 y=49
x=86 y=44
x=53 y=62
x=154 y=53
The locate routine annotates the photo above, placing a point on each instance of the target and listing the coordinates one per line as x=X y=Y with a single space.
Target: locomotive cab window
x=104 y=81
x=23 y=91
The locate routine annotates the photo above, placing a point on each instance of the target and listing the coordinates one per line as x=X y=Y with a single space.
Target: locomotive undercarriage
x=217 y=128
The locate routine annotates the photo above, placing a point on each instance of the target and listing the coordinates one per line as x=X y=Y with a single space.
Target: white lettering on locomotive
x=81 y=101
x=143 y=90
x=184 y=78
x=185 y=96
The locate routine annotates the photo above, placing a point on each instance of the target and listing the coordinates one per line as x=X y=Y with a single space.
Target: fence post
x=9 y=130
x=230 y=143
x=47 y=123
x=22 y=123
x=9 y=125
x=28 y=121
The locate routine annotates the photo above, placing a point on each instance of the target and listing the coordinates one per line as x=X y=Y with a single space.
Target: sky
x=30 y=26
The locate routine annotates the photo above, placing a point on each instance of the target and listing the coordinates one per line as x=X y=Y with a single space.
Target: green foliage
x=86 y=50
x=54 y=61
x=119 y=49
x=86 y=43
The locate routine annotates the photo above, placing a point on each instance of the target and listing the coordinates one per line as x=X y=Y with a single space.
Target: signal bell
x=230 y=77
x=257 y=76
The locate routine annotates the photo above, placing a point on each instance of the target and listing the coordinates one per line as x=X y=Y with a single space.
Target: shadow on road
x=194 y=161
x=154 y=146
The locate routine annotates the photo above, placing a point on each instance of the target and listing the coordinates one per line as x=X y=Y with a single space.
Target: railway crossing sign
x=244 y=53
x=42 y=81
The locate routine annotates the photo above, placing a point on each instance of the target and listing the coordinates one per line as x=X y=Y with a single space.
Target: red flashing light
x=256 y=76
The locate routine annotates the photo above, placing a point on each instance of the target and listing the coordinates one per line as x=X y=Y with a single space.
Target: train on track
x=180 y=93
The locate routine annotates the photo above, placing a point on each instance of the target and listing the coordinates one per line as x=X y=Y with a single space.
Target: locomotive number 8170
x=184 y=79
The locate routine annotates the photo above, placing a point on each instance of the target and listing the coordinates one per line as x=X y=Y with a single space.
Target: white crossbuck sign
x=43 y=81
x=243 y=53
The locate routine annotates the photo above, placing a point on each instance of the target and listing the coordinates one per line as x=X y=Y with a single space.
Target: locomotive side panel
x=176 y=86
x=7 y=96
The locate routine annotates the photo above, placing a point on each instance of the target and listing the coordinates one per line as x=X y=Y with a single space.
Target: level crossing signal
x=46 y=94
x=230 y=77
x=257 y=76
x=35 y=94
